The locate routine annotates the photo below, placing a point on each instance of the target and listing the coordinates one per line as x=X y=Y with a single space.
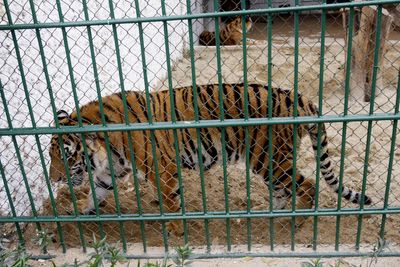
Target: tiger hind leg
x=305 y=193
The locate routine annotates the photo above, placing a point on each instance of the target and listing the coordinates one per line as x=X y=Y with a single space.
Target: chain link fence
x=63 y=54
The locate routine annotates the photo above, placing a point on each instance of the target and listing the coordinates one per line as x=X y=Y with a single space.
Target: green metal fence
x=63 y=54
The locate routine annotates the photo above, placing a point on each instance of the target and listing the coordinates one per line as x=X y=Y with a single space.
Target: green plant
x=312 y=263
x=343 y=263
x=104 y=252
x=4 y=255
x=43 y=239
x=14 y=258
x=182 y=256
x=100 y=250
x=379 y=247
x=114 y=256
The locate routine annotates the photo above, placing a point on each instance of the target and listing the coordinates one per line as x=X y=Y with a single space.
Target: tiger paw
x=175 y=228
x=300 y=221
x=82 y=207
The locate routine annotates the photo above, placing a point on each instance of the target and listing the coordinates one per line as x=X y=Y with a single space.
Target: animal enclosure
x=66 y=54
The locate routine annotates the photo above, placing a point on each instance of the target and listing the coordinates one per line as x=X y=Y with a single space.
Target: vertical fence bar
x=21 y=239
x=198 y=132
x=344 y=130
x=78 y=113
x=320 y=110
x=295 y=100
x=96 y=80
x=391 y=157
x=369 y=128
x=31 y=116
x=150 y=120
x=270 y=129
x=246 y=133
x=174 y=116
x=48 y=182
x=122 y=85
x=130 y=142
x=223 y=129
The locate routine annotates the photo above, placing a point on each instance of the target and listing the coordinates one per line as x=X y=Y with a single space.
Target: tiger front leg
x=102 y=190
x=171 y=197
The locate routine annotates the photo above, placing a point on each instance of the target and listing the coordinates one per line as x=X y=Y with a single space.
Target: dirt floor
x=308 y=84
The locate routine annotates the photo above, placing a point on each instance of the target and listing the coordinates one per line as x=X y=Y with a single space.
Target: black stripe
x=324 y=156
x=185 y=93
x=357 y=198
x=227 y=115
x=132 y=112
x=324 y=142
x=175 y=106
x=210 y=148
x=253 y=140
x=333 y=182
x=287 y=174
x=176 y=193
x=261 y=157
x=314 y=147
x=163 y=104
x=206 y=102
x=86 y=119
x=300 y=181
x=115 y=151
x=326 y=166
x=288 y=102
x=301 y=103
x=92 y=164
x=103 y=185
x=330 y=177
x=312 y=107
x=142 y=103
x=186 y=164
x=238 y=101
x=153 y=106
x=189 y=100
x=256 y=91
x=228 y=145
x=275 y=102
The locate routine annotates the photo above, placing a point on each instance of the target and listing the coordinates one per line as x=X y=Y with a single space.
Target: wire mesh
x=61 y=55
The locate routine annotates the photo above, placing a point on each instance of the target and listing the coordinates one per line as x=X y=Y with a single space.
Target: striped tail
x=327 y=166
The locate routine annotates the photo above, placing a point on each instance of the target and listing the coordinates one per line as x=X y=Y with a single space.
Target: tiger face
x=76 y=159
x=73 y=156
x=237 y=24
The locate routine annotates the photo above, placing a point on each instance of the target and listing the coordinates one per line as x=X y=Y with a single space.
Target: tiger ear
x=62 y=114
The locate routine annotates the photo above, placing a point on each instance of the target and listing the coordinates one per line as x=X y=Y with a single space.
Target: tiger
x=231 y=34
x=208 y=99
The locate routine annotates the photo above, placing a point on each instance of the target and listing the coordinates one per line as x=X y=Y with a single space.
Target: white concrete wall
x=54 y=49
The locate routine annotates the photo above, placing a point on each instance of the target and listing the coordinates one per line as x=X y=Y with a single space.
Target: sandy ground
x=75 y=253
x=333 y=103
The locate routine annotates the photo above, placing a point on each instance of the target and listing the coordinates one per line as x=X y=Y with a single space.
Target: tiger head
x=237 y=23
x=75 y=155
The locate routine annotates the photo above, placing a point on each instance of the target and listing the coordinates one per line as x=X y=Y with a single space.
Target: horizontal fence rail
x=198 y=124
x=196 y=16
x=197 y=145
